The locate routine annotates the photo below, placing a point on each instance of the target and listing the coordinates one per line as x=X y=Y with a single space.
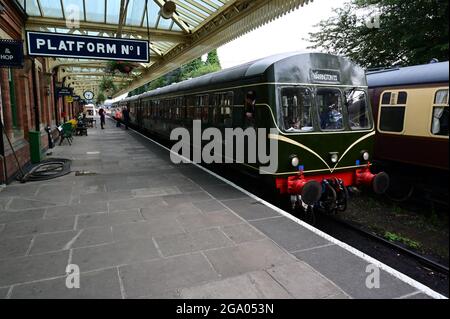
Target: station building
x=28 y=101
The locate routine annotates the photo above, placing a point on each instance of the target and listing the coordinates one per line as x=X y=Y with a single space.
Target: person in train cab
x=250 y=108
x=331 y=117
x=126 y=117
x=102 y=114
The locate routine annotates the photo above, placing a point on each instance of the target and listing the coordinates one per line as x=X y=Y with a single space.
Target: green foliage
x=406 y=241
x=204 y=69
x=410 y=33
x=193 y=69
x=101 y=98
x=107 y=85
x=213 y=59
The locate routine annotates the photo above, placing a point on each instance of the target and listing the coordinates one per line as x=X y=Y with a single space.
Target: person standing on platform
x=126 y=117
x=102 y=114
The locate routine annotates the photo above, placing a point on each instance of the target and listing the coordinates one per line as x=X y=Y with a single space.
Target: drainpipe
x=35 y=97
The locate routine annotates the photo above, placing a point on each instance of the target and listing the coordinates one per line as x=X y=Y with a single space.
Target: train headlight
x=295 y=161
x=334 y=158
x=366 y=156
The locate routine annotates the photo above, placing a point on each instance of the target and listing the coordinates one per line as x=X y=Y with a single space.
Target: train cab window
x=393 y=112
x=297 y=110
x=358 y=109
x=331 y=110
x=440 y=122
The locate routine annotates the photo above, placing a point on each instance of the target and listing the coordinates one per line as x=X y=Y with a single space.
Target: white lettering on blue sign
x=59 y=45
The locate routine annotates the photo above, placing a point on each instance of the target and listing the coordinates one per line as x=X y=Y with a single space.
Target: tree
x=213 y=58
x=193 y=69
x=409 y=32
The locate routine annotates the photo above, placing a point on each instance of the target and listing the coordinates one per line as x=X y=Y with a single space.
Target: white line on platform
x=395 y=273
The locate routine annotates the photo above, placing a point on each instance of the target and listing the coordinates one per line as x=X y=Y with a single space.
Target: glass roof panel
x=191 y=12
x=54 y=8
x=112 y=12
x=71 y=7
x=135 y=12
x=95 y=10
x=33 y=8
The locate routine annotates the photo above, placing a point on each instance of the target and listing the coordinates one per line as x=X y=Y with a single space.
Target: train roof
x=256 y=69
x=419 y=74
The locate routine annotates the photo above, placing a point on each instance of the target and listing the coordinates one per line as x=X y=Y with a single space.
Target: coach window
x=226 y=106
x=440 y=123
x=358 y=110
x=297 y=109
x=392 y=112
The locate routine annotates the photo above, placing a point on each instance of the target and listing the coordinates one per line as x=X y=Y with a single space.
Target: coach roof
x=419 y=74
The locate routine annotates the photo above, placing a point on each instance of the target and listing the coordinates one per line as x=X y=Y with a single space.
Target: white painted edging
x=421 y=287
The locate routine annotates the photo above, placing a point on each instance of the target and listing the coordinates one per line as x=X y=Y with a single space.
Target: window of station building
x=393 y=112
x=440 y=122
x=331 y=109
x=297 y=110
x=12 y=92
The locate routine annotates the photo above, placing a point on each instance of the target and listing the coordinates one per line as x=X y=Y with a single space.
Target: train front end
x=326 y=131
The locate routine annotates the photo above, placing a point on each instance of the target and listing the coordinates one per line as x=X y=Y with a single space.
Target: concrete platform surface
x=138 y=226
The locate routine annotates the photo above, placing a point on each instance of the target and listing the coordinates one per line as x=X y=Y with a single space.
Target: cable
x=48 y=169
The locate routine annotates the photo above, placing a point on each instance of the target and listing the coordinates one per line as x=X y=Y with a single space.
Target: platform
x=139 y=226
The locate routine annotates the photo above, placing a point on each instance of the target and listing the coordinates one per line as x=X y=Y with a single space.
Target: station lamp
x=168 y=9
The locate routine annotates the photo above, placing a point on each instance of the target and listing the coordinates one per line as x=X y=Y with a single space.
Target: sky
x=285 y=34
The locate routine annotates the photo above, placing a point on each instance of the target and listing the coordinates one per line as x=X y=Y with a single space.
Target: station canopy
x=195 y=28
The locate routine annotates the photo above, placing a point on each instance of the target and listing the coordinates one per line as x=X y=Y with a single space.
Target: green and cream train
x=317 y=104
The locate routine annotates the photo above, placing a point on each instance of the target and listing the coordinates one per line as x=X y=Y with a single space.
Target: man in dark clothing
x=126 y=117
x=102 y=114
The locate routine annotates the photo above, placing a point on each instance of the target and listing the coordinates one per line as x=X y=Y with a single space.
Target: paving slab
x=3 y=292
x=249 y=209
x=14 y=247
x=248 y=257
x=17 y=216
x=95 y=285
x=155 y=278
x=254 y=285
x=31 y=268
x=114 y=254
x=40 y=226
x=289 y=235
x=350 y=274
x=109 y=219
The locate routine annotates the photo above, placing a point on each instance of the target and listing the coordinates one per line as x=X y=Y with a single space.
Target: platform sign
x=76 y=98
x=64 y=91
x=11 y=54
x=87 y=47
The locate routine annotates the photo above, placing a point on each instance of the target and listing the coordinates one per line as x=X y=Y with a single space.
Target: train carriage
x=412 y=112
x=317 y=104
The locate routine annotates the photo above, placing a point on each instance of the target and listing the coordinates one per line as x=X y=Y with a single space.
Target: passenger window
x=440 y=122
x=386 y=98
x=297 y=110
x=392 y=112
x=402 y=98
x=250 y=109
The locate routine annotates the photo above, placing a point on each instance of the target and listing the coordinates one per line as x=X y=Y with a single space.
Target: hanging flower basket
x=120 y=66
x=107 y=85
